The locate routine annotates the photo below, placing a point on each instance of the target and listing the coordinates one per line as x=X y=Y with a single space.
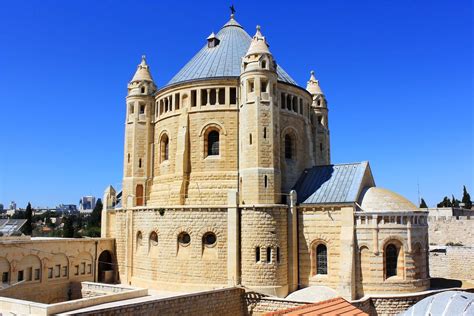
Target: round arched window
x=184 y=239
x=209 y=239
x=153 y=238
x=213 y=143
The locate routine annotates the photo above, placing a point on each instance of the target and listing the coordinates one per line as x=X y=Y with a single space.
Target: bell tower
x=319 y=108
x=259 y=181
x=138 y=163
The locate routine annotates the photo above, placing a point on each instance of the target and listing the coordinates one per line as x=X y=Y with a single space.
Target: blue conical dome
x=222 y=60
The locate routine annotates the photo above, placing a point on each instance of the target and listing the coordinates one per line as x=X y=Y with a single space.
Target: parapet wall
x=452 y=262
x=217 y=302
x=451 y=229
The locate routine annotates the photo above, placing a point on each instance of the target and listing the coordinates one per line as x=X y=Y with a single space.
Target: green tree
x=466 y=198
x=68 y=229
x=28 y=227
x=423 y=204
x=454 y=202
x=95 y=217
x=446 y=202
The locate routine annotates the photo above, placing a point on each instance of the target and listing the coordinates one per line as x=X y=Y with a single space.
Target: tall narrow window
x=278 y=254
x=288 y=102
x=264 y=132
x=5 y=277
x=251 y=86
x=283 y=101
x=142 y=108
x=288 y=147
x=203 y=97
x=264 y=64
x=213 y=143
x=233 y=96
x=139 y=195
x=20 y=275
x=269 y=254
x=143 y=89
x=128 y=158
x=221 y=96
x=250 y=138
x=265 y=180
x=176 y=101
x=164 y=147
x=321 y=259
x=213 y=97
x=193 y=98
x=264 y=85
x=321 y=147
x=140 y=163
x=257 y=254
x=391 y=258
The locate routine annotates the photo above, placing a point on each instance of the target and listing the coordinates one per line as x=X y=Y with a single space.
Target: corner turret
x=138 y=163
x=320 y=118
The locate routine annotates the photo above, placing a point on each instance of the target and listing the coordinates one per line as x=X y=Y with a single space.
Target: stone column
x=233 y=238
x=293 y=243
x=347 y=267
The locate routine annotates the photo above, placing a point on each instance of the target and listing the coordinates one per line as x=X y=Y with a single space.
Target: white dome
x=378 y=199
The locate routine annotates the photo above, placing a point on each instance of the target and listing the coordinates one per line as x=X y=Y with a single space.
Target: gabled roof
x=223 y=60
x=335 y=306
x=332 y=184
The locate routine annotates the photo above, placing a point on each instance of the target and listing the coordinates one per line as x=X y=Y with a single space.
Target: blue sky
x=397 y=75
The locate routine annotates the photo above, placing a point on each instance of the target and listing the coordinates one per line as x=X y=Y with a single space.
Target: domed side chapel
x=228 y=181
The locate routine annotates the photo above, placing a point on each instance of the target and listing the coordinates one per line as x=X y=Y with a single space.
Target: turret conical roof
x=313 y=85
x=258 y=45
x=143 y=72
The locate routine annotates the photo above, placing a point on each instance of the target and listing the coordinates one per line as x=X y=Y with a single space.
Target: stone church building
x=228 y=180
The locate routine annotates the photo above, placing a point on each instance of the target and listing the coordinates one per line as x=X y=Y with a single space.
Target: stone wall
x=168 y=264
x=452 y=262
x=218 y=302
x=315 y=226
x=265 y=230
x=261 y=305
x=42 y=269
x=388 y=305
x=451 y=229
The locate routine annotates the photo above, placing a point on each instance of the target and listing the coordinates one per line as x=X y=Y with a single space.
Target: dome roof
x=375 y=199
x=223 y=60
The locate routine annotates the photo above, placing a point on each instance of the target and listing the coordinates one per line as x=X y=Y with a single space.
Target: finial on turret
x=143 y=63
x=313 y=84
x=232 y=11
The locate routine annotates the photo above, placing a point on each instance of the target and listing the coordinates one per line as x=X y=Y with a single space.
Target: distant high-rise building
x=87 y=203
x=12 y=205
x=66 y=208
x=1 y=208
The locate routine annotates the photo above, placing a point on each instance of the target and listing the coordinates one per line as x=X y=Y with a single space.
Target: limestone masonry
x=228 y=180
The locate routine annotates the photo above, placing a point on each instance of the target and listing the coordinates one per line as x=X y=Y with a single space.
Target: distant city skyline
x=399 y=94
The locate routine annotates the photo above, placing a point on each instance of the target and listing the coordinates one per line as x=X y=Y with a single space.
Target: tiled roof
x=331 y=183
x=335 y=306
x=224 y=60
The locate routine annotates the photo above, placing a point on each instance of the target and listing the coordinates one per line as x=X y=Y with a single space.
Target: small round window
x=209 y=239
x=184 y=239
x=154 y=238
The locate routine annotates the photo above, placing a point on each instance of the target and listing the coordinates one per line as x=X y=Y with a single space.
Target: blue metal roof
x=445 y=303
x=223 y=60
x=331 y=183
